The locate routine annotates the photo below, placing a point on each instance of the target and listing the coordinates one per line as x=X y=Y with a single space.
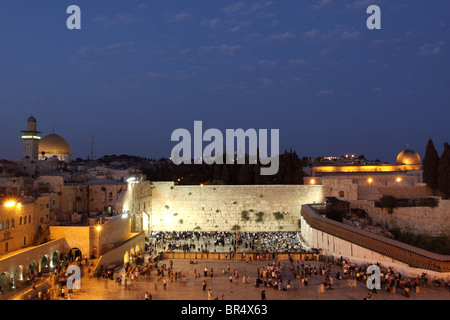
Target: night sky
x=138 y=70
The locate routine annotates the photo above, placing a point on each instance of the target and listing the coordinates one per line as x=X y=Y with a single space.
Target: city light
x=125 y=215
x=98 y=228
x=31 y=137
x=10 y=204
x=399 y=179
x=312 y=181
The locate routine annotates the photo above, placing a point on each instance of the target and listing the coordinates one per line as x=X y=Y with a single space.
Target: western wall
x=220 y=207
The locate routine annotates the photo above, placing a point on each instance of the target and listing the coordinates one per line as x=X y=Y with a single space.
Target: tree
x=444 y=172
x=431 y=166
x=225 y=174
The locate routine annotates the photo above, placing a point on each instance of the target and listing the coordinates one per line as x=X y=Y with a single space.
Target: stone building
x=20 y=221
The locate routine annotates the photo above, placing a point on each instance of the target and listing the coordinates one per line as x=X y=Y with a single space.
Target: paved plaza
x=189 y=287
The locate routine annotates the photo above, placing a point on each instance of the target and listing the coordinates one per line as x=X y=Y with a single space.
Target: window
x=25 y=241
x=29 y=219
x=6 y=247
x=341 y=194
x=6 y=224
x=20 y=221
x=12 y=223
x=1 y=225
x=25 y=220
x=42 y=206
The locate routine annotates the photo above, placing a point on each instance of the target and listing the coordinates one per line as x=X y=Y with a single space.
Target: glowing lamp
x=10 y=204
x=312 y=181
x=399 y=179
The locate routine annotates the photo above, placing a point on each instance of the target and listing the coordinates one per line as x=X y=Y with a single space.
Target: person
x=263 y=295
x=406 y=292
x=231 y=279
x=204 y=285
x=209 y=294
x=146 y=296
x=164 y=283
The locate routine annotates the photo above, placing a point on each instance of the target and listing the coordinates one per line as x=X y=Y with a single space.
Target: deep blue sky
x=138 y=70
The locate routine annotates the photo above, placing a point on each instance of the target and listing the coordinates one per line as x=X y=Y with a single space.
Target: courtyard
x=189 y=285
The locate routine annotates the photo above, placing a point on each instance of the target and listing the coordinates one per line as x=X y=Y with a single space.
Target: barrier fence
x=254 y=256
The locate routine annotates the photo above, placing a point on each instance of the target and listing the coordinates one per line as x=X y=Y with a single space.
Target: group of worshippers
x=192 y=241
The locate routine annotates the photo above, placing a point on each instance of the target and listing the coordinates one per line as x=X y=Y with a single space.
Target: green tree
x=225 y=174
x=430 y=166
x=444 y=172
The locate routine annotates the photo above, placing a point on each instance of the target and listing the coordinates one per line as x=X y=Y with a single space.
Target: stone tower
x=30 y=138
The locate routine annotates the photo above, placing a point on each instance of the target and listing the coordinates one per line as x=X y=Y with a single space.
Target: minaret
x=30 y=138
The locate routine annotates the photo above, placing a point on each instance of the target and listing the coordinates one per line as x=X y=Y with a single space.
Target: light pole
x=98 y=228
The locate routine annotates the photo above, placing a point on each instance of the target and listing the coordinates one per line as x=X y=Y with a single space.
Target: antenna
x=92 y=148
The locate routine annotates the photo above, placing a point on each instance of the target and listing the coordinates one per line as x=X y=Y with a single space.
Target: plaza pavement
x=190 y=288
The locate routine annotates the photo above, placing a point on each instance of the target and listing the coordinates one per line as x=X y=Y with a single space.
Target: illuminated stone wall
x=219 y=208
x=427 y=220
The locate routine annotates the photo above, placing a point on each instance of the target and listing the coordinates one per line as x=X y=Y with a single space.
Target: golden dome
x=53 y=144
x=408 y=157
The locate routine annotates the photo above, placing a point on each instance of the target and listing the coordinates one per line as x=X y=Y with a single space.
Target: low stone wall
x=338 y=239
x=427 y=220
x=116 y=256
x=239 y=256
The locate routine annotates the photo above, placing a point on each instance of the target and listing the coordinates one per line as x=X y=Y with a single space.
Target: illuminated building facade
x=408 y=163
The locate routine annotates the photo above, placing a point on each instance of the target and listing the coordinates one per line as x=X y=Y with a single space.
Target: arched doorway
x=32 y=270
x=18 y=276
x=54 y=262
x=4 y=281
x=44 y=266
x=74 y=254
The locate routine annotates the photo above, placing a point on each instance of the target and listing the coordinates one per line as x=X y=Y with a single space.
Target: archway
x=75 y=253
x=32 y=267
x=132 y=255
x=54 y=262
x=44 y=266
x=18 y=276
x=4 y=281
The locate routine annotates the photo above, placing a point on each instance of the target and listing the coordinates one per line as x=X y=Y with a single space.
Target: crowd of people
x=196 y=241
x=390 y=280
